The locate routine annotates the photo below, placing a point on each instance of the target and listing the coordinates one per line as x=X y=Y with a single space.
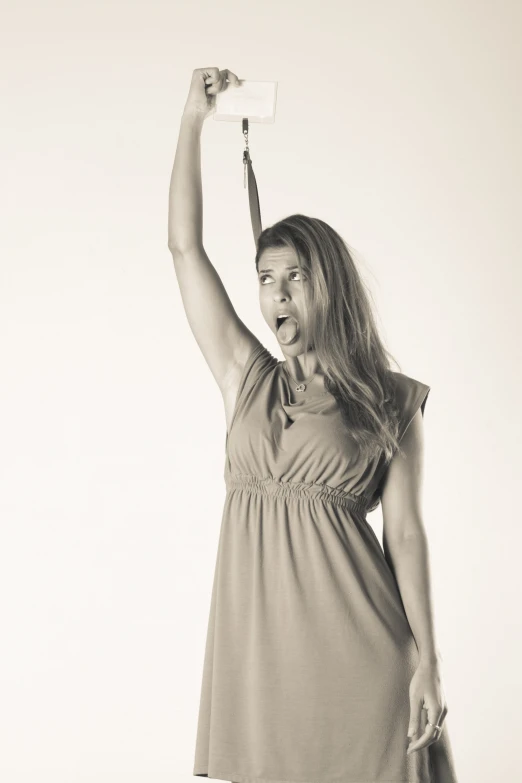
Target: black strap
x=253 y=195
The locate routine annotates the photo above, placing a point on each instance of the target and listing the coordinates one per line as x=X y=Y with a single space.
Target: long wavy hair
x=342 y=331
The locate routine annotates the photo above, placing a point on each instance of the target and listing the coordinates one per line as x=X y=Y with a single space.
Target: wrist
x=430 y=658
x=193 y=117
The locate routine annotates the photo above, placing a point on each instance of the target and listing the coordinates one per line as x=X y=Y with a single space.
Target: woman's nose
x=280 y=292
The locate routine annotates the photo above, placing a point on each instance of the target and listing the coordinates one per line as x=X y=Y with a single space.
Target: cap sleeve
x=259 y=362
x=410 y=395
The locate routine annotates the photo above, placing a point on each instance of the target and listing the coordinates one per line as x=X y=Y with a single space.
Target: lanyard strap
x=253 y=195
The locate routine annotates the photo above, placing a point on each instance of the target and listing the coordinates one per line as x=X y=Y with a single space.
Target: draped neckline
x=320 y=396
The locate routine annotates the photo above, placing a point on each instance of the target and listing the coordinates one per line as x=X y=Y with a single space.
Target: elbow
x=175 y=249
x=182 y=249
x=406 y=540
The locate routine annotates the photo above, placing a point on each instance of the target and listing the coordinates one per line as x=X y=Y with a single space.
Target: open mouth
x=280 y=319
x=287 y=333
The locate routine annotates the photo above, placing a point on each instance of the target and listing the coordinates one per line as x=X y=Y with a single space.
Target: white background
x=400 y=125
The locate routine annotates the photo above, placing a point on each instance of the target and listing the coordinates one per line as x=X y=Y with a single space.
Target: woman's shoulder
x=410 y=394
x=404 y=384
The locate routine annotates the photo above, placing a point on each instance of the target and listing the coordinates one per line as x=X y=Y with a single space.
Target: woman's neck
x=303 y=367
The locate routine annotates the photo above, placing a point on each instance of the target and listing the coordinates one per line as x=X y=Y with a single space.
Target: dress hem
x=232 y=777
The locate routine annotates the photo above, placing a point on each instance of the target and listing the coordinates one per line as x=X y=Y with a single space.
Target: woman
x=321 y=661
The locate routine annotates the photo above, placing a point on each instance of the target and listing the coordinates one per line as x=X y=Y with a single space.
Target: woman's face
x=281 y=291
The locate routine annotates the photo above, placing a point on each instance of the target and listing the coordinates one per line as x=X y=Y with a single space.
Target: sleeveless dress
x=309 y=654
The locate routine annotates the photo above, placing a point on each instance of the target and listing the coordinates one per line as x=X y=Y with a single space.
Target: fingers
x=415 y=715
x=232 y=77
x=436 y=716
x=430 y=735
x=217 y=80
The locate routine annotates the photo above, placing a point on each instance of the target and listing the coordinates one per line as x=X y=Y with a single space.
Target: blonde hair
x=342 y=331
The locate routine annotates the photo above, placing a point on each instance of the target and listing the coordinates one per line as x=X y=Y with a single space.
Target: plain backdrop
x=397 y=123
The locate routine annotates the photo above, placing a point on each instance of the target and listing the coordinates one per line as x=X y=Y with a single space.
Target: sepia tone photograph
x=260 y=290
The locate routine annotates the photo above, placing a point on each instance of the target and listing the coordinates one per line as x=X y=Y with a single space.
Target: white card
x=254 y=100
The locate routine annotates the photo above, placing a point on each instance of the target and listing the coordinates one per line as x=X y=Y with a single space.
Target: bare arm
x=223 y=338
x=185 y=192
x=404 y=538
x=406 y=549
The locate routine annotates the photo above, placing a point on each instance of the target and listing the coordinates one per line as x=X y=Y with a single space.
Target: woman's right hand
x=205 y=85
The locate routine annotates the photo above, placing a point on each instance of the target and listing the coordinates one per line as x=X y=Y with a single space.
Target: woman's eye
x=263 y=277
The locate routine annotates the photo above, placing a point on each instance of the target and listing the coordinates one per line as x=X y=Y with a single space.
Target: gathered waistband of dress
x=270 y=486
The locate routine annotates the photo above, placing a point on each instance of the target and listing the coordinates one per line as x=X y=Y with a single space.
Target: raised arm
x=223 y=338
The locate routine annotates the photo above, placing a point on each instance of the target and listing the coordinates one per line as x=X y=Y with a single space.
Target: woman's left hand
x=426 y=692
